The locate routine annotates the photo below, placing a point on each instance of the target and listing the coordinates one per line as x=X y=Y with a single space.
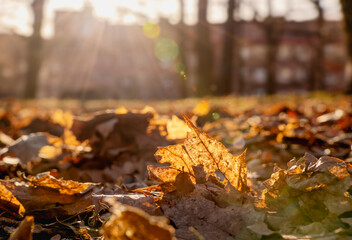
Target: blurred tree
x=35 y=45
x=238 y=62
x=272 y=28
x=204 y=52
x=182 y=45
x=317 y=80
x=226 y=69
x=347 y=13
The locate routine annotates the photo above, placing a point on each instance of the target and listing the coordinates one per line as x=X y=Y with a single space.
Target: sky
x=15 y=14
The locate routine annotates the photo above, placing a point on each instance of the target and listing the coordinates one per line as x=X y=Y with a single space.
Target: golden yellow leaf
x=9 y=202
x=202 y=108
x=176 y=128
x=121 y=110
x=68 y=187
x=50 y=152
x=70 y=139
x=164 y=187
x=199 y=148
x=162 y=174
x=135 y=224
x=63 y=118
x=45 y=197
x=24 y=230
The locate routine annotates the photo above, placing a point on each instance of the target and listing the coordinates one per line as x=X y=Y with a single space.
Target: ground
x=214 y=168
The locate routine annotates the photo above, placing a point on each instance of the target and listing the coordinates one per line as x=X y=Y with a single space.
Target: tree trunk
x=273 y=41
x=347 y=10
x=35 y=44
x=271 y=61
x=204 y=52
x=238 y=61
x=182 y=45
x=227 y=64
x=317 y=81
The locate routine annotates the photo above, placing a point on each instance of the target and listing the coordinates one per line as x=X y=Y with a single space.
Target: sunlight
x=109 y=9
x=105 y=8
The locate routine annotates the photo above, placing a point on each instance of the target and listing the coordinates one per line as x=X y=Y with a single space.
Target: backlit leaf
x=24 y=230
x=9 y=202
x=199 y=148
x=67 y=187
x=135 y=224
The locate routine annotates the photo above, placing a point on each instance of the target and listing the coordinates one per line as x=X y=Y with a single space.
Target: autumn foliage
x=276 y=172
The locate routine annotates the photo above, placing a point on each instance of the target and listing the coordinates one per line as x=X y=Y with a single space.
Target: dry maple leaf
x=24 y=230
x=199 y=148
x=10 y=203
x=63 y=118
x=134 y=224
x=202 y=108
x=67 y=187
x=46 y=197
x=27 y=147
x=176 y=128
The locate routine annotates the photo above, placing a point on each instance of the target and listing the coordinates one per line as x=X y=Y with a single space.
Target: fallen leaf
x=10 y=203
x=27 y=148
x=66 y=187
x=176 y=128
x=333 y=116
x=84 y=128
x=199 y=148
x=199 y=210
x=260 y=228
x=48 y=198
x=24 y=230
x=306 y=200
x=132 y=223
x=202 y=108
x=63 y=118
x=183 y=184
x=43 y=125
x=5 y=139
x=49 y=152
x=162 y=174
x=335 y=166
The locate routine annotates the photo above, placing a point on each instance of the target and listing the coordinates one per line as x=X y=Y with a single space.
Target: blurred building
x=295 y=58
x=90 y=58
x=12 y=64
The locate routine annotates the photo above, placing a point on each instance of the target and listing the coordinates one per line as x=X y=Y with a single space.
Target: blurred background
x=170 y=49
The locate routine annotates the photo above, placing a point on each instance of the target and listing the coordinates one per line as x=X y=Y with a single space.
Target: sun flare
x=109 y=8
x=105 y=8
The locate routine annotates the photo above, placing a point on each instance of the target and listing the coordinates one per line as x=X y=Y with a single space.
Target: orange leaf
x=9 y=202
x=63 y=186
x=199 y=148
x=46 y=197
x=162 y=174
x=24 y=230
x=134 y=224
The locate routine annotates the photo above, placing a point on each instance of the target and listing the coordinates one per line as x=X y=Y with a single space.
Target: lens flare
x=151 y=30
x=180 y=68
x=166 y=49
x=216 y=116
